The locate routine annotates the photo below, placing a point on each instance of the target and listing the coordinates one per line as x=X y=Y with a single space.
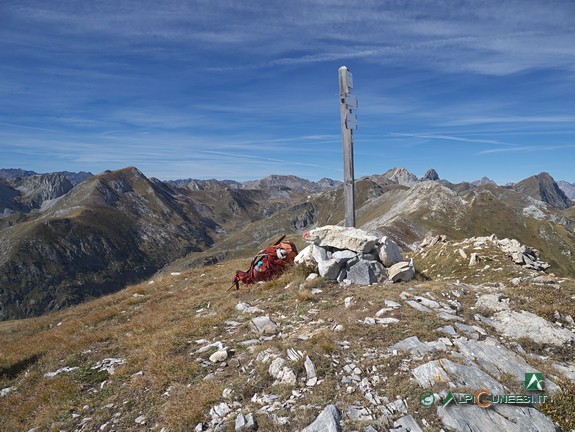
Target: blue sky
x=243 y=89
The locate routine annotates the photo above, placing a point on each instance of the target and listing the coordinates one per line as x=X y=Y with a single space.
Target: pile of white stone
x=352 y=256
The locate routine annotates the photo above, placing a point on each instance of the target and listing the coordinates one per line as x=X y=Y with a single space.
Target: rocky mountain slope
x=567 y=188
x=24 y=194
x=112 y=229
x=542 y=187
x=180 y=352
x=278 y=183
x=16 y=173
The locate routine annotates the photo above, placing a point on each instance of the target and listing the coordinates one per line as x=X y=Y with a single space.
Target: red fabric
x=271 y=265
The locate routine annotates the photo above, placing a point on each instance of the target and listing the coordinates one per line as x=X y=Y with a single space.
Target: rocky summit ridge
x=180 y=352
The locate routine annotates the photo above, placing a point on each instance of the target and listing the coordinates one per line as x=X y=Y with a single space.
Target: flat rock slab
x=525 y=324
x=415 y=346
x=500 y=417
x=492 y=302
x=418 y=306
x=498 y=360
x=445 y=371
x=338 y=237
x=328 y=421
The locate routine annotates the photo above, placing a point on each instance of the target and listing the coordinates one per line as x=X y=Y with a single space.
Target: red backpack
x=268 y=263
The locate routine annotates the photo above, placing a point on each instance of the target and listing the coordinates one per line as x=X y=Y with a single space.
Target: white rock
x=492 y=302
x=348 y=301
x=294 y=355
x=219 y=356
x=141 y=420
x=382 y=311
x=525 y=324
x=6 y=390
x=474 y=259
x=328 y=421
x=109 y=365
x=305 y=257
x=245 y=423
x=402 y=271
x=343 y=256
x=312 y=276
x=388 y=252
x=391 y=304
x=338 y=237
x=264 y=325
x=386 y=320
x=246 y=308
x=309 y=368
x=59 y=371
x=220 y=410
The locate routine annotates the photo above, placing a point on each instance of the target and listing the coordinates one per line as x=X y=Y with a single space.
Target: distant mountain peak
x=431 y=174
x=483 y=181
x=401 y=176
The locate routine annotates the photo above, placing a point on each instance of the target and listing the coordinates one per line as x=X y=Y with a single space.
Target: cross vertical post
x=348 y=104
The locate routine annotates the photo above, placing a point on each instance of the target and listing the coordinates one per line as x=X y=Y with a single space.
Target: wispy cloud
x=528 y=149
x=455 y=138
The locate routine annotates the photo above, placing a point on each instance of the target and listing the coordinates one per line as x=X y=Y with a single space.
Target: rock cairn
x=352 y=256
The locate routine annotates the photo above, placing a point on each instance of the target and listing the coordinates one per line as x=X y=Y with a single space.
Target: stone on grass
x=416 y=347
x=282 y=373
x=328 y=421
x=264 y=325
x=418 y=306
x=246 y=423
x=498 y=360
x=219 y=356
x=474 y=259
x=359 y=413
x=309 y=369
x=220 y=411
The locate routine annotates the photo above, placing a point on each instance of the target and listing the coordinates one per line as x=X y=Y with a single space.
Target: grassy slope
x=154 y=326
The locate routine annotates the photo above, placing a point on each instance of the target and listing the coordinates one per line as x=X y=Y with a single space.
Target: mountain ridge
x=136 y=226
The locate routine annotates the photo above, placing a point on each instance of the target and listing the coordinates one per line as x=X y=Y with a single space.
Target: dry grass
x=155 y=326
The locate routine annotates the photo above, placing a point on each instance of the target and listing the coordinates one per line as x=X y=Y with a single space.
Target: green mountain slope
x=114 y=228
